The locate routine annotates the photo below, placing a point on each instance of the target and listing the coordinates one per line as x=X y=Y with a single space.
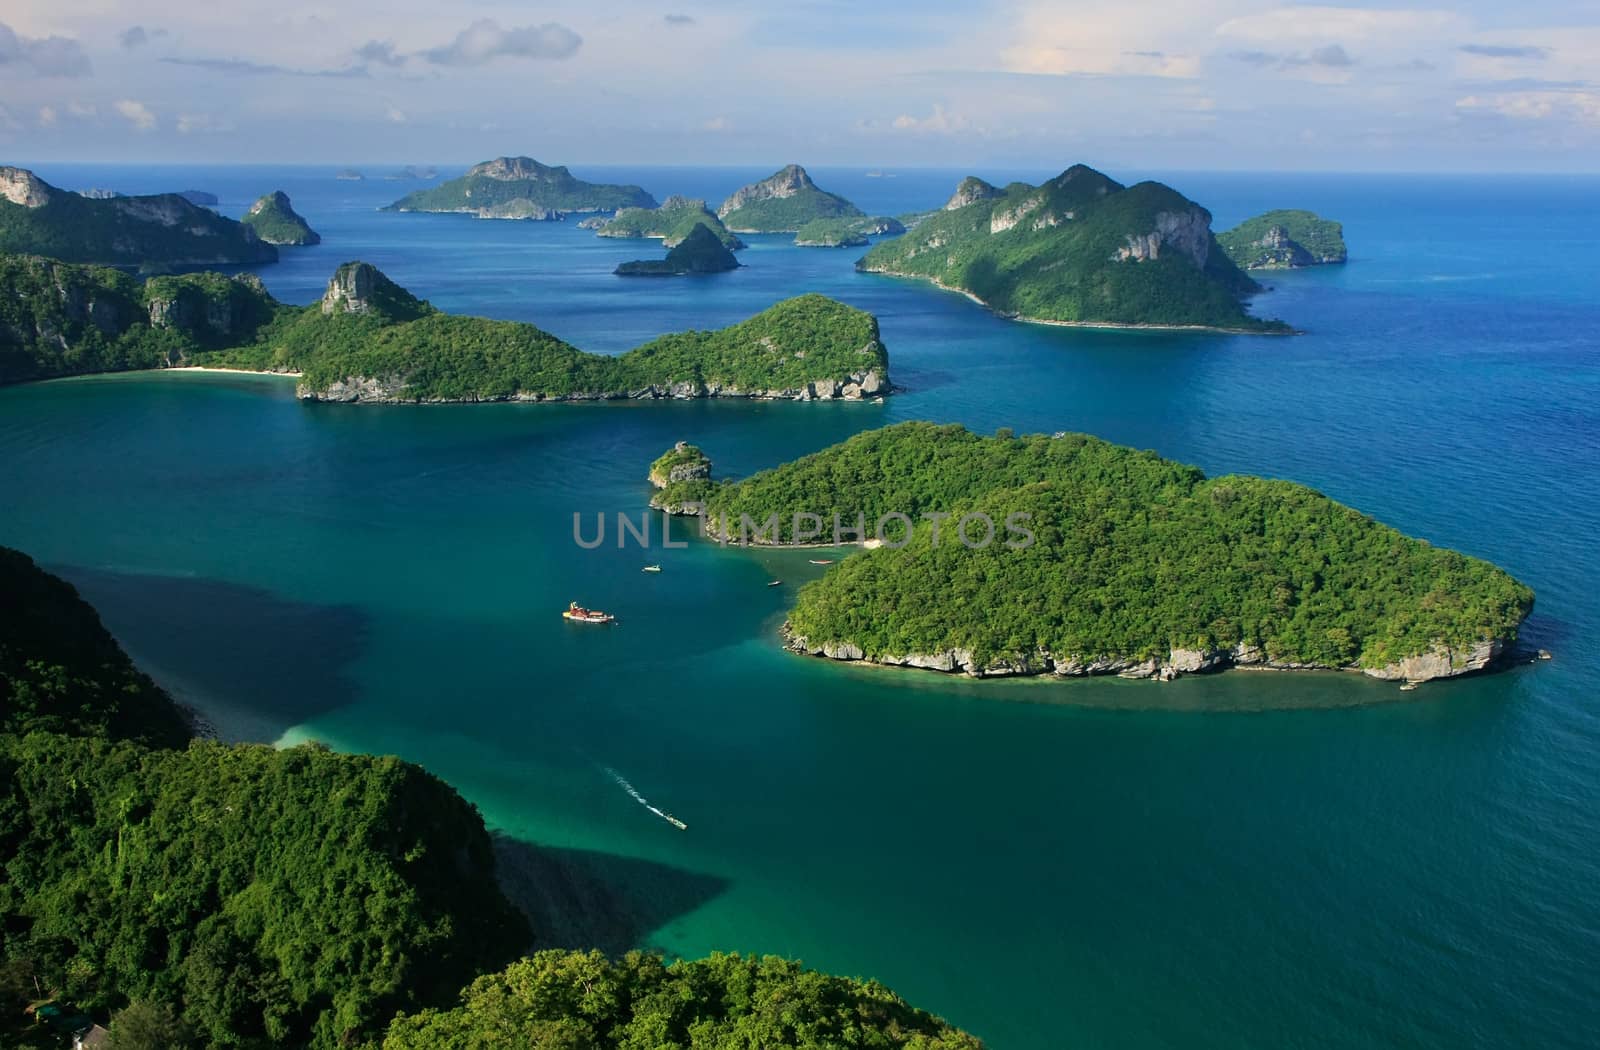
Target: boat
x=822 y=561
x=578 y=614
x=651 y=568
x=1407 y=687
x=674 y=821
x=774 y=583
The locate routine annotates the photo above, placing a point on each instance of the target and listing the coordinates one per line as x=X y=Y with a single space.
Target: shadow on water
x=585 y=899
x=251 y=662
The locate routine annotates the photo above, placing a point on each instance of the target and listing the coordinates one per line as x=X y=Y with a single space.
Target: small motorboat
x=578 y=614
x=822 y=561
x=651 y=568
x=1408 y=687
x=774 y=583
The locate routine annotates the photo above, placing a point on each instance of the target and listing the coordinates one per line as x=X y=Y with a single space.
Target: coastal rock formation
x=971 y=191
x=685 y=462
x=782 y=203
x=276 y=222
x=23 y=187
x=845 y=233
x=672 y=222
x=700 y=252
x=522 y=188
x=1285 y=240
x=1076 y=251
x=152 y=232
x=361 y=288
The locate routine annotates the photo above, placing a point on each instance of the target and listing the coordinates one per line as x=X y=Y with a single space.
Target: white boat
x=578 y=614
x=651 y=568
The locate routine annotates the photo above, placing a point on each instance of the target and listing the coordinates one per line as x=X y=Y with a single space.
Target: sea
x=1242 y=860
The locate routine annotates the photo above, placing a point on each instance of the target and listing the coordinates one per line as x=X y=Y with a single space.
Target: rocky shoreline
x=1439 y=662
x=390 y=390
x=1107 y=325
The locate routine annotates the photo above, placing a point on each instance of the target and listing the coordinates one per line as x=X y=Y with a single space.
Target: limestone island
x=369 y=340
x=782 y=203
x=1284 y=240
x=276 y=222
x=684 y=469
x=154 y=232
x=1099 y=560
x=522 y=188
x=671 y=222
x=845 y=233
x=200 y=197
x=1082 y=249
x=699 y=252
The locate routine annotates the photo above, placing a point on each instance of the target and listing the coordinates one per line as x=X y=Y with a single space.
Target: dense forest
x=191 y=894
x=70 y=319
x=1080 y=248
x=1131 y=556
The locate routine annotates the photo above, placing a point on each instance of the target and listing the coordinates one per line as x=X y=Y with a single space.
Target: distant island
x=160 y=231
x=276 y=222
x=200 y=197
x=672 y=222
x=845 y=233
x=1082 y=249
x=700 y=252
x=349 y=175
x=1284 y=240
x=782 y=203
x=522 y=188
x=369 y=340
x=1100 y=559
x=260 y=868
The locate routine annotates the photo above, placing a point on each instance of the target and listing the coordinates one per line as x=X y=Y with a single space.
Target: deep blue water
x=1236 y=861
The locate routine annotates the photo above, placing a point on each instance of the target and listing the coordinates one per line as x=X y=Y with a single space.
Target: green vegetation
x=61 y=319
x=369 y=328
x=243 y=897
x=699 y=252
x=682 y=462
x=154 y=232
x=276 y=222
x=1081 y=249
x=1282 y=240
x=1133 y=556
x=583 y=1000
x=782 y=203
x=528 y=188
x=60 y=672
x=845 y=233
x=672 y=222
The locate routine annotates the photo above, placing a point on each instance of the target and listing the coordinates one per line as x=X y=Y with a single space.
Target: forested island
x=672 y=222
x=1080 y=249
x=845 y=233
x=522 y=188
x=276 y=222
x=782 y=203
x=699 y=252
x=1285 y=240
x=1100 y=559
x=369 y=340
x=162 y=231
x=168 y=892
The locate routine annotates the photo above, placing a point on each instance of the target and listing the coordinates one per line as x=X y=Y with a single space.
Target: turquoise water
x=1243 y=860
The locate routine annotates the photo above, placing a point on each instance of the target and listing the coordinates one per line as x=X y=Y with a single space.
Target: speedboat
x=578 y=614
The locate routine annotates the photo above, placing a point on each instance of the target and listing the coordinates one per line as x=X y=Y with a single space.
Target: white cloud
x=1319 y=26
x=1582 y=106
x=135 y=113
x=396 y=115
x=82 y=110
x=485 y=40
x=939 y=122
x=47 y=116
x=50 y=56
x=192 y=123
x=717 y=124
x=7 y=121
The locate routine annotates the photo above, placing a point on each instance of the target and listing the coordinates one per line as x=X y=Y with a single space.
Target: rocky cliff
x=275 y=221
x=522 y=188
x=971 y=191
x=1284 y=240
x=782 y=203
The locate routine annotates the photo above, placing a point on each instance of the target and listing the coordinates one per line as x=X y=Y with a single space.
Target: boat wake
x=622 y=782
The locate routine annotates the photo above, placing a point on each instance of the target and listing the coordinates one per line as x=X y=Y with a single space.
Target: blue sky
x=1253 y=84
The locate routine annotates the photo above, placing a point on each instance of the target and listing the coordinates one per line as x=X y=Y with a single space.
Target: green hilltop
x=1080 y=249
x=1138 y=565
x=368 y=339
x=154 y=232
x=672 y=222
x=1284 y=240
x=522 y=188
x=782 y=203
x=276 y=222
x=699 y=252
x=188 y=893
x=845 y=232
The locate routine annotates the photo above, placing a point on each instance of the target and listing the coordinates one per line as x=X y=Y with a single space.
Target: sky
x=1207 y=84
